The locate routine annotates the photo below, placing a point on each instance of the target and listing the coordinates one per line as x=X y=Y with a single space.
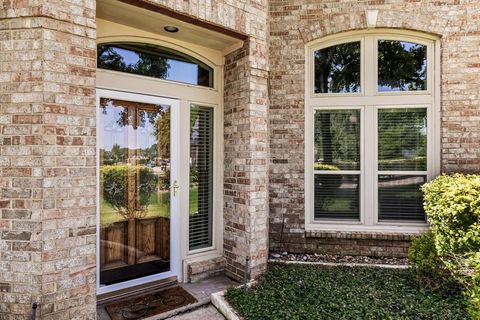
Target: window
x=370 y=131
x=154 y=61
x=201 y=177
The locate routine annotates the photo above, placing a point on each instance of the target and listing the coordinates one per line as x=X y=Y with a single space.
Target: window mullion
x=369 y=63
x=370 y=172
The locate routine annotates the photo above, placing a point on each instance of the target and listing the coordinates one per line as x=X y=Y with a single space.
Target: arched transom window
x=154 y=61
x=370 y=120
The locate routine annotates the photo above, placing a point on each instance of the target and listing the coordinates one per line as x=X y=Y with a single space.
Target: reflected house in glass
x=133 y=157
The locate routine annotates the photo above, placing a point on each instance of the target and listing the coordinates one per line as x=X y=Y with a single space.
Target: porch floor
x=201 y=290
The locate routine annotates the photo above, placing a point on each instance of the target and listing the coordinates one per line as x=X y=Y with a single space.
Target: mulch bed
x=150 y=304
x=285 y=256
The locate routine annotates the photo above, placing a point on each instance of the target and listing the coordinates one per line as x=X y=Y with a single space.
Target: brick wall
x=47 y=159
x=293 y=24
x=246 y=161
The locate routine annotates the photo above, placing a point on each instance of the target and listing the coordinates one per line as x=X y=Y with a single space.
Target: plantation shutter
x=201 y=177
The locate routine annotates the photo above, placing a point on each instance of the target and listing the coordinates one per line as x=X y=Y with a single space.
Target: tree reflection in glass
x=337 y=68
x=402 y=66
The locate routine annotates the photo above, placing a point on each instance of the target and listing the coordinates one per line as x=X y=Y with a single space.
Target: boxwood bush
x=452 y=204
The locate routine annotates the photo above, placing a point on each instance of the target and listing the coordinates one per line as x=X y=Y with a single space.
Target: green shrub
x=115 y=180
x=427 y=265
x=320 y=166
x=452 y=204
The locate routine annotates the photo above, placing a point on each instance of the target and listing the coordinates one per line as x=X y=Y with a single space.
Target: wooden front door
x=135 y=180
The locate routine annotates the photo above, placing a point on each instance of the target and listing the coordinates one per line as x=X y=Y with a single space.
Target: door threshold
x=135 y=290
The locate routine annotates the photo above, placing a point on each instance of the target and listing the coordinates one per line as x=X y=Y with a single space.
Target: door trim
x=175 y=153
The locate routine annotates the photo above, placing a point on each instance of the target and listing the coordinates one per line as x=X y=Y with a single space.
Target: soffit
x=151 y=20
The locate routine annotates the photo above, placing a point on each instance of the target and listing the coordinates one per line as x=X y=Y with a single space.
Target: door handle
x=175 y=187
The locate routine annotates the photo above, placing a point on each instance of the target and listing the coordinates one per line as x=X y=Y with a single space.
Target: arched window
x=153 y=61
x=370 y=120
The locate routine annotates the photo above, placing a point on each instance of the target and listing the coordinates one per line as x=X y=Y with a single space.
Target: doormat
x=150 y=304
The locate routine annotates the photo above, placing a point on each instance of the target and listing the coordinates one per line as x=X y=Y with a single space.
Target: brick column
x=47 y=159
x=246 y=159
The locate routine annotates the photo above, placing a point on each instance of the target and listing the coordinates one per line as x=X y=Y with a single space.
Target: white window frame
x=369 y=100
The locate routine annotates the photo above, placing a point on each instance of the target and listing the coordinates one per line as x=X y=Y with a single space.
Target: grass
x=159 y=207
x=309 y=292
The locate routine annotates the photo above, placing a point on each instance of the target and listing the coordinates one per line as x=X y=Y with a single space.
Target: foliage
x=320 y=166
x=127 y=202
x=427 y=265
x=311 y=292
x=452 y=204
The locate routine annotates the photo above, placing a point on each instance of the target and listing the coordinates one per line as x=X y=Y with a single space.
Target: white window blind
x=201 y=177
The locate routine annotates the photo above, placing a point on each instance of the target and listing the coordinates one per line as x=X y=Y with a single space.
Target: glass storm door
x=138 y=183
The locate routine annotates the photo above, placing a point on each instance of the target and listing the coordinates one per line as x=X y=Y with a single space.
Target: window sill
x=331 y=230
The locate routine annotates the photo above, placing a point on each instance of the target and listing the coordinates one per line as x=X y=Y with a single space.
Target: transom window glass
x=154 y=61
x=402 y=66
x=337 y=68
x=370 y=153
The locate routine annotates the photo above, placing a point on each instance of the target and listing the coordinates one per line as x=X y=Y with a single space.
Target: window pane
x=400 y=197
x=201 y=177
x=402 y=139
x=337 y=140
x=154 y=61
x=337 y=68
x=402 y=66
x=337 y=196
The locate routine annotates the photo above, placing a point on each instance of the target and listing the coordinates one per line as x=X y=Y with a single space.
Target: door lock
x=175 y=187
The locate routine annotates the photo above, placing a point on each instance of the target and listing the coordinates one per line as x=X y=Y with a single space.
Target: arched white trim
x=342 y=36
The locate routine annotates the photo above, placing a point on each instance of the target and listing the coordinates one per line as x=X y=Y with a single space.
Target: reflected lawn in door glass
x=337 y=68
x=402 y=135
x=402 y=66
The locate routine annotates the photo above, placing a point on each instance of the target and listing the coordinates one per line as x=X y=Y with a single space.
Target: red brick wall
x=293 y=24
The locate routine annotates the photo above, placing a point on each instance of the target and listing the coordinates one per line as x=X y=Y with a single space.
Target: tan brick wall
x=292 y=24
x=245 y=210
x=47 y=159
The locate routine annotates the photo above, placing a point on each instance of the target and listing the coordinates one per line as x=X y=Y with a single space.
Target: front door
x=138 y=179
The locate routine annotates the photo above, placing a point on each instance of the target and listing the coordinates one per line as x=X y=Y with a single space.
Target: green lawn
x=159 y=207
x=309 y=292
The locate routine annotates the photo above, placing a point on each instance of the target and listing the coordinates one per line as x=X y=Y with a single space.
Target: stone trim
x=199 y=270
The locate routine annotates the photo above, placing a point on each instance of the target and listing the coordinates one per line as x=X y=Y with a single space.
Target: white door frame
x=175 y=171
